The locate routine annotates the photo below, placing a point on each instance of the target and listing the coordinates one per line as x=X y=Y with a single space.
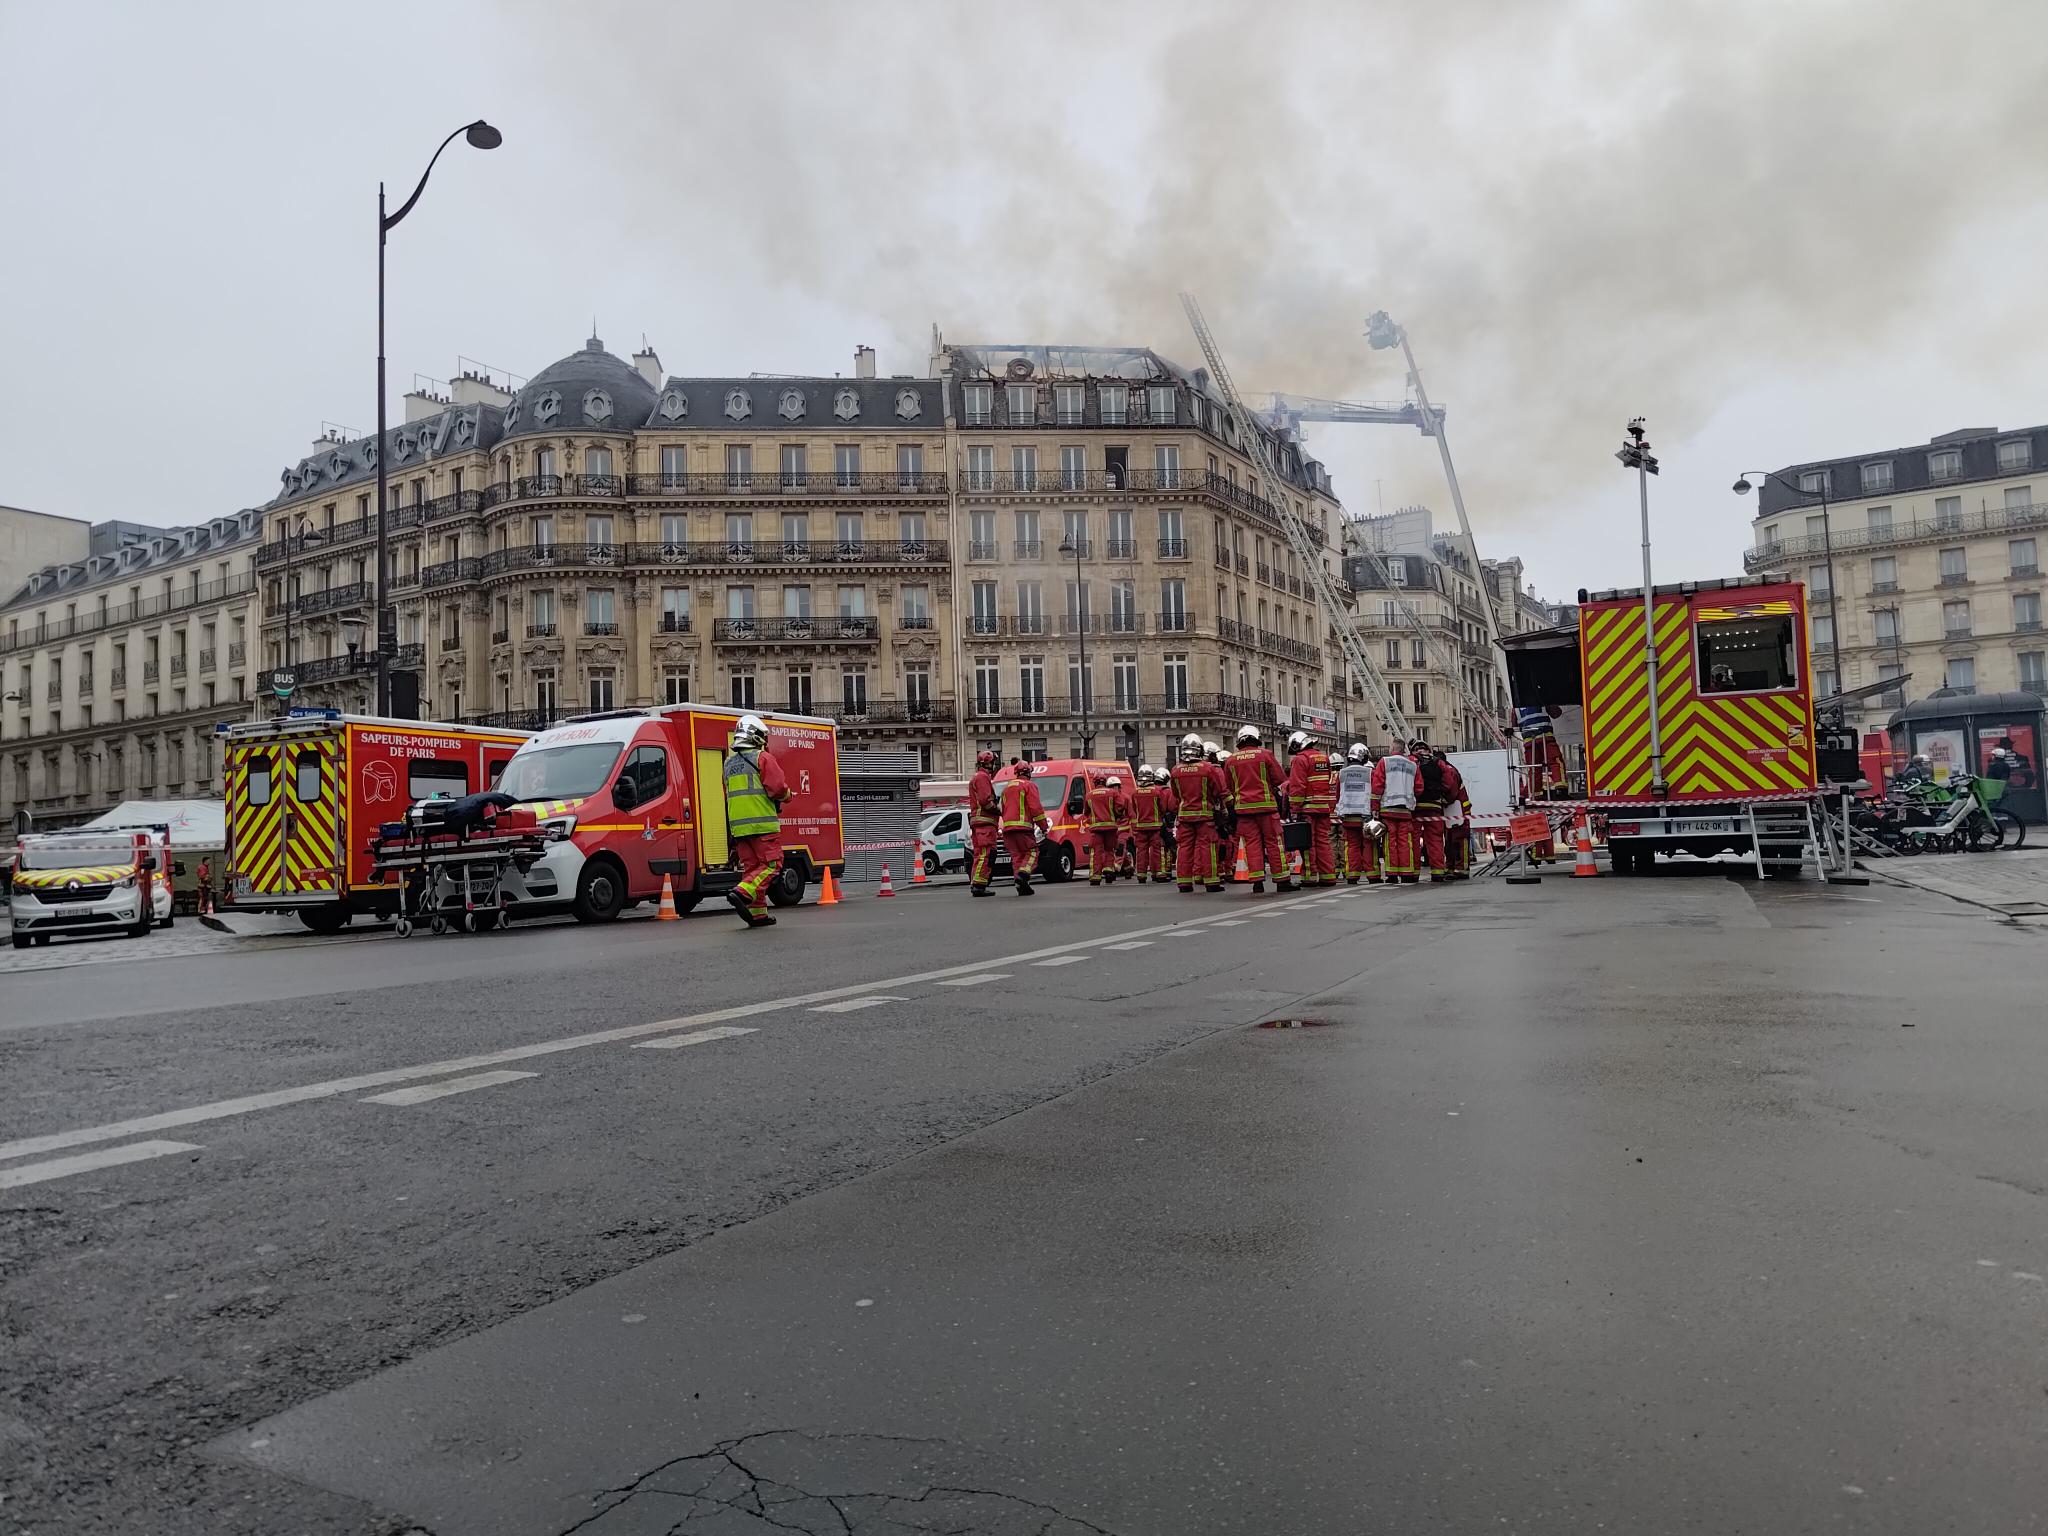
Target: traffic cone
x=1244 y=870
x=917 y=872
x=887 y=889
x=668 y=912
x=1582 y=840
x=830 y=895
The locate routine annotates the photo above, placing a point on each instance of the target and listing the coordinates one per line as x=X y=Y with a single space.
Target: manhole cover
x=1295 y=1023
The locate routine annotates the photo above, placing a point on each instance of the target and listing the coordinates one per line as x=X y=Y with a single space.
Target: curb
x=1935 y=886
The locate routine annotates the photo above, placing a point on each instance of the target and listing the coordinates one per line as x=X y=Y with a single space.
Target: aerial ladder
x=1340 y=621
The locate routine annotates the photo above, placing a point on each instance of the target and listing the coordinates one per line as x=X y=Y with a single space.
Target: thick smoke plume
x=1580 y=211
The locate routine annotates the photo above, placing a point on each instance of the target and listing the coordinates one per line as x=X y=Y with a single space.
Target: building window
x=1421 y=698
x=1123 y=607
x=1890 y=671
x=794 y=464
x=597 y=534
x=909 y=465
x=1887 y=626
x=675 y=463
x=2015 y=455
x=1948 y=511
x=853 y=688
x=1030 y=608
x=850 y=532
x=1021 y=400
x=853 y=602
x=1955 y=565
x=1814 y=482
x=1035 y=749
x=1114 y=400
x=543 y=468
x=798 y=690
x=1159 y=403
x=739 y=466
x=1955 y=619
x=1024 y=468
x=601 y=681
x=982 y=619
x=739 y=533
x=742 y=683
x=1877 y=478
x=1174 y=669
x=796 y=602
x=2033 y=670
x=981 y=468
x=981 y=536
x=1817 y=581
x=1944 y=464
x=1031 y=684
x=597 y=464
x=1073 y=468
x=1418 y=653
x=1884 y=574
x=1166 y=466
x=1123 y=678
x=2018 y=498
x=739 y=603
x=980 y=401
x=910 y=529
x=1068 y=401
x=1394 y=653
x=1823 y=633
x=675 y=685
x=1394 y=691
x=914 y=610
x=543 y=531
x=2019 y=553
x=1880 y=521
x=2026 y=611
x=1080 y=683
x=1173 y=605
x=846 y=466
x=917 y=689
x=675 y=610
x=1961 y=672
x=597 y=608
x=988 y=685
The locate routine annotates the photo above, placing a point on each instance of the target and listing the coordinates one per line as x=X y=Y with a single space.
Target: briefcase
x=1294 y=836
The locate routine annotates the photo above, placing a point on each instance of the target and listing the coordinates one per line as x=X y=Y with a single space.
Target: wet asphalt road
x=1620 y=1204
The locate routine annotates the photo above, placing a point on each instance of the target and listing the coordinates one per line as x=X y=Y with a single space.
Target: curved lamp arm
x=481 y=134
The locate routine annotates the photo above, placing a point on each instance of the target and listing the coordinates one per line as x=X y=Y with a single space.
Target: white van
x=111 y=880
x=942 y=840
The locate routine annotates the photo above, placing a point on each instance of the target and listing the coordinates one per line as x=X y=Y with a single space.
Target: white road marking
x=855 y=1004
x=86 y=1162
x=420 y=1093
x=224 y=1109
x=702 y=1036
x=975 y=980
x=1131 y=944
x=1061 y=960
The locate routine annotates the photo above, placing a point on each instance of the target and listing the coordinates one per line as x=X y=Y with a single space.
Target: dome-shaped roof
x=588 y=391
x=1947 y=704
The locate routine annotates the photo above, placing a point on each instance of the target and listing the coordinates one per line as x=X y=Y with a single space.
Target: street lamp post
x=1635 y=454
x=1827 y=544
x=300 y=537
x=483 y=136
x=1070 y=545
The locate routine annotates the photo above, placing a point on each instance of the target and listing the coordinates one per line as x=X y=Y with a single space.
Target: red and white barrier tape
x=876 y=847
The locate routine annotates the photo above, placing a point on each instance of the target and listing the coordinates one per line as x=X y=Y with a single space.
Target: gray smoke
x=1580 y=211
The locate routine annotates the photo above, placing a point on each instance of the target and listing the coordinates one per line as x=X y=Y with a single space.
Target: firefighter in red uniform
x=1312 y=791
x=1023 y=824
x=755 y=787
x=1457 y=820
x=1543 y=772
x=1258 y=795
x=1105 y=828
x=1151 y=803
x=1354 y=815
x=984 y=817
x=1199 y=789
x=1429 y=809
x=1393 y=806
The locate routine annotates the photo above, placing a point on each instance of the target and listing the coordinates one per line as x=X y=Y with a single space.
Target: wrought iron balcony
x=982 y=549
x=1988 y=520
x=127 y=613
x=151 y=671
x=540 y=631
x=1028 y=549
x=890 y=712
x=353 y=594
x=206 y=660
x=117 y=677
x=450 y=643
x=600 y=627
x=451 y=573
x=178 y=665
x=863 y=629
x=238 y=652
x=778 y=483
x=1173 y=622
x=501 y=637
x=675 y=624
x=1173 y=549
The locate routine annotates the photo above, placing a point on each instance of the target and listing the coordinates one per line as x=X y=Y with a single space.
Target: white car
x=67 y=883
x=942 y=842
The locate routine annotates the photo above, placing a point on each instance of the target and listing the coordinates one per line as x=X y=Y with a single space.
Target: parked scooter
x=1961 y=814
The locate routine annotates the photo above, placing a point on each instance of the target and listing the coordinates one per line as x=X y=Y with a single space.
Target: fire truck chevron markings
x=224 y=1109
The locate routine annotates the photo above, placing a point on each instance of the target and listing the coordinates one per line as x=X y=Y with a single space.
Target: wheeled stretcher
x=451 y=869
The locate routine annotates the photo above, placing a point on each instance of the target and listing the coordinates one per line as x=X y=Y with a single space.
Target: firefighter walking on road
x=1393 y=804
x=1200 y=790
x=1258 y=795
x=1312 y=791
x=1106 y=815
x=984 y=820
x=1023 y=824
x=1152 y=803
x=755 y=787
x=1354 y=816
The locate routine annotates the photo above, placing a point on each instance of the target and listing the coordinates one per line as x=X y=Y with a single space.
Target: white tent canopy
x=193 y=823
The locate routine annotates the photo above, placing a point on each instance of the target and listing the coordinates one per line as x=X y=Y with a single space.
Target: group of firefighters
x=1378 y=819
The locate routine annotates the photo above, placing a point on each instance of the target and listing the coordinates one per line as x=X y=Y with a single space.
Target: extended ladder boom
x=1253 y=438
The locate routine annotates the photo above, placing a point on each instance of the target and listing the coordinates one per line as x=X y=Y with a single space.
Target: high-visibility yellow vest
x=748 y=810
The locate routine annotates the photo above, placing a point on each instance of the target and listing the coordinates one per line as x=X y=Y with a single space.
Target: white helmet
x=1248 y=735
x=1116 y=781
x=1147 y=773
x=1213 y=749
x=1358 y=753
x=1298 y=742
x=1191 y=748
x=751 y=731
x=1191 y=740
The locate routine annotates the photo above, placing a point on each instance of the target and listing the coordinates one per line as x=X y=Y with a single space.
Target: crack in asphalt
x=730 y=1485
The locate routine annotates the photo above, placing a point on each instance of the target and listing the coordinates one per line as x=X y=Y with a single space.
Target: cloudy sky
x=1780 y=230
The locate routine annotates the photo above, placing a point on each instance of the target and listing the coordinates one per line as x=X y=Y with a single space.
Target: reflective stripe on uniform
x=748 y=810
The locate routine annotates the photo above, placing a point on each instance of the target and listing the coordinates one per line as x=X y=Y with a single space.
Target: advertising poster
x=2023 y=742
x=1945 y=749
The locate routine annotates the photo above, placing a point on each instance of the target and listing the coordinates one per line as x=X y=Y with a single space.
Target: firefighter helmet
x=1116 y=781
x=1248 y=736
x=1418 y=748
x=750 y=733
x=1298 y=742
x=1021 y=769
x=1359 y=753
x=985 y=759
x=1213 y=750
x=1147 y=774
x=1191 y=748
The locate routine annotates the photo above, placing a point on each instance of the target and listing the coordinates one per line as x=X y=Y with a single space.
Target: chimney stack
x=863 y=362
x=473 y=388
x=649 y=366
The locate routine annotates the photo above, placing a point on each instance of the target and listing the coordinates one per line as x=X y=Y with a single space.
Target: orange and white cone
x=829 y=895
x=668 y=912
x=1244 y=869
x=887 y=889
x=1582 y=840
x=917 y=872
